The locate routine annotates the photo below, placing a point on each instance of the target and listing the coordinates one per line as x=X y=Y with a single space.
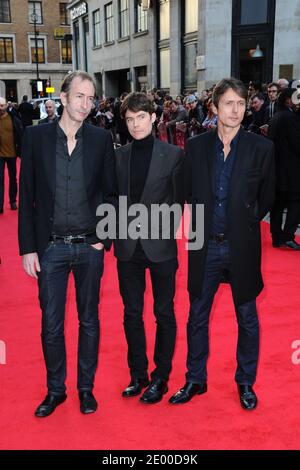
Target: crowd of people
x=270 y=112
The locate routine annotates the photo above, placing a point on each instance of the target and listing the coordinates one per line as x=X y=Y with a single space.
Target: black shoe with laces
x=154 y=393
x=47 y=406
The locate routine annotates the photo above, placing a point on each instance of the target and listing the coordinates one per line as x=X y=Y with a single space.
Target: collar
x=233 y=143
x=61 y=134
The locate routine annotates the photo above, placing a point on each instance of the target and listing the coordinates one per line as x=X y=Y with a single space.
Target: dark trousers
x=290 y=201
x=218 y=261
x=132 y=287
x=12 y=174
x=57 y=262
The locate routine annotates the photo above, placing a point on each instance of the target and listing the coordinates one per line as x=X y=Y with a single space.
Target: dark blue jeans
x=218 y=261
x=57 y=262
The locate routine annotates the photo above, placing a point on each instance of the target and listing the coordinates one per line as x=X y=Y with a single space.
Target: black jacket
x=18 y=132
x=47 y=120
x=284 y=130
x=26 y=112
x=37 y=181
x=164 y=185
x=251 y=196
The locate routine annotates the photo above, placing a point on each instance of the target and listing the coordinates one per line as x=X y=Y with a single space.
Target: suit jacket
x=26 y=113
x=250 y=197
x=284 y=130
x=267 y=116
x=37 y=181
x=18 y=132
x=164 y=185
x=46 y=120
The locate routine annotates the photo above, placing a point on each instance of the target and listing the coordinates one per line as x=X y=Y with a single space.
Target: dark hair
x=260 y=96
x=25 y=98
x=66 y=84
x=136 y=102
x=256 y=85
x=228 y=84
x=284 y=95
x=274 y=85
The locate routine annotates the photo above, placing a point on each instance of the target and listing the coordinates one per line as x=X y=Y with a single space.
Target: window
x=66 y=52
x=190 y=70
x=254 y=11
x=6 y=50
x=191 y=16
x=40 y=50
x=5 y=11
x=124 y=18
x=96 y=28
x=64 y=14
x=165 y=68
x=164 y=19
x=77 y=45
x=35 y=7
x=86 y=42
x=141 y=18
x=109 y=23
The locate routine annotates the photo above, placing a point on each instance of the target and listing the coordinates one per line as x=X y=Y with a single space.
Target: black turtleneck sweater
x=141 y=154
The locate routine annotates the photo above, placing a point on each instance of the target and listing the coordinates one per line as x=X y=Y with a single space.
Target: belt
x=219 y=237
x=70 y=239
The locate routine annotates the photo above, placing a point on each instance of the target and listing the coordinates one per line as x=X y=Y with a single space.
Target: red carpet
x=212 y=421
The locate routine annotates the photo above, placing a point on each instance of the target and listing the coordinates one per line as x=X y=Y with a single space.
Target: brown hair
x=66 y=84
x=136 y=102
x=226 y=84
x=273 y=84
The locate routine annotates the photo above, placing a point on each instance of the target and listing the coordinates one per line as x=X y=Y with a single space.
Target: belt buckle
x=68 y=239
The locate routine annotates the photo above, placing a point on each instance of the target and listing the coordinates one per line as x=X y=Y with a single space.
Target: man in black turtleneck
x=149 y=172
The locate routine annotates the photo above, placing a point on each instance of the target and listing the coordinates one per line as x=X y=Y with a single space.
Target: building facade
x=184 y=45
x=114 y=42
x=35 y=46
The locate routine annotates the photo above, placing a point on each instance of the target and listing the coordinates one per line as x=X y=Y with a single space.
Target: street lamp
x=34 y=19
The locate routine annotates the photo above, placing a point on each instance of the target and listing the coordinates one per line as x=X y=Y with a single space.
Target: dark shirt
x=222 y=173
x=141 y=154
x=196 y=113
x=47 y=120
x=72 y=214
x=258 y=119
x=26 y=113
x=271 y=109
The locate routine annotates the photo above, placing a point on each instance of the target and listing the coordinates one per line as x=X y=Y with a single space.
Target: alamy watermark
x=2 y=352
x=153 y=222
x=296 y=354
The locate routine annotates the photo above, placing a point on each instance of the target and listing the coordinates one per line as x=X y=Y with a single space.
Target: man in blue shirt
x=230 y=172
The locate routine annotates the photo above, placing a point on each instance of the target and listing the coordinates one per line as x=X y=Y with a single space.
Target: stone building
x=35 y=43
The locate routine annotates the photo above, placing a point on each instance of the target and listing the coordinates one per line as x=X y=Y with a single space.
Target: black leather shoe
x=186 y=393
x=88 y=403
x=291 y=244
x=154 y=393
x=13 y=206
x=135 y=387
x=248 y=398
x=49 y=404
